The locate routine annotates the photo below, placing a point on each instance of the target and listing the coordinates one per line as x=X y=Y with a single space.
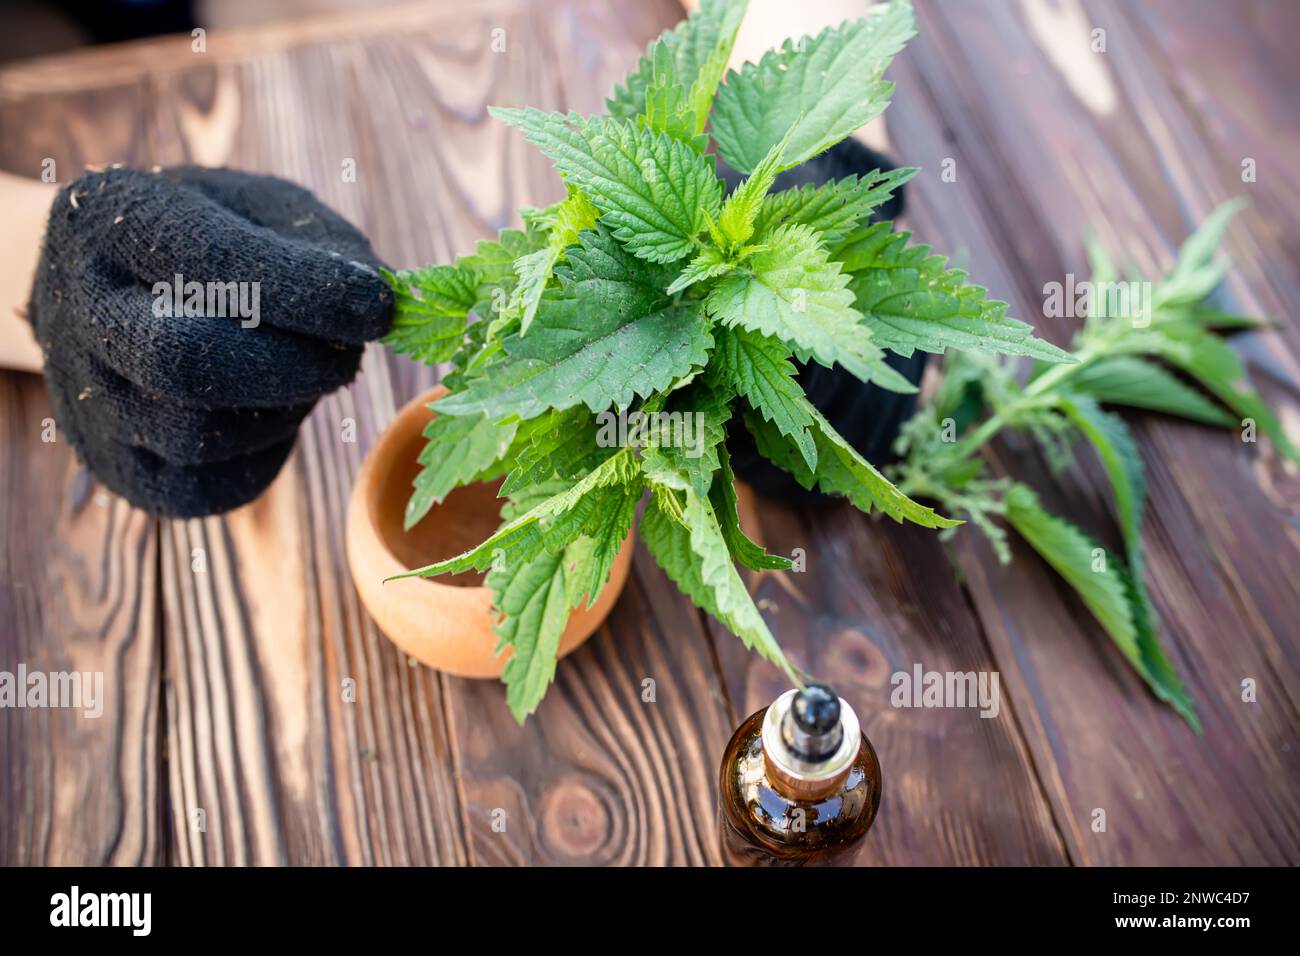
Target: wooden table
x=224 y=683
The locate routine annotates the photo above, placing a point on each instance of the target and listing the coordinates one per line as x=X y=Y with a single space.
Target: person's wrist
x=26 y=203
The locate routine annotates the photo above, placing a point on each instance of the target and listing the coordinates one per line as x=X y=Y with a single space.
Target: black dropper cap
x=812 y=728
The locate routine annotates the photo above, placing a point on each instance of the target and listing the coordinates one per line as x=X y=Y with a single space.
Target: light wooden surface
x=225 y=685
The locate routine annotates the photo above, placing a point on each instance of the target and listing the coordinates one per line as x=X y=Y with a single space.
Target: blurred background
x=37 y=27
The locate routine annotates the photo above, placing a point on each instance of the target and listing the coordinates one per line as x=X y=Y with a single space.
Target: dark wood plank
x=1038 y=162
x=78 y=576
x=1231 y=106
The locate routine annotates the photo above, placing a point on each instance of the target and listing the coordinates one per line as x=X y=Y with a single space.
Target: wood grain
x=299 y=731
x=79 y=575
x=78 y=580
x=1143 y=174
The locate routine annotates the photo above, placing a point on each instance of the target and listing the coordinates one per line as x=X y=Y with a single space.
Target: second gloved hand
x=189 y=404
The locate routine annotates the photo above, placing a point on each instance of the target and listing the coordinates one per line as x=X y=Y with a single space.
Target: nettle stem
x=1040 y=393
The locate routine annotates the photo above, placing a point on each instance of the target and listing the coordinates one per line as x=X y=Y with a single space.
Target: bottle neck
x=792 y=773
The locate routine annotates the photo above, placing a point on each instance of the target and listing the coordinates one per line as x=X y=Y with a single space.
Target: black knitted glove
x=866 y=415
x=188 y=407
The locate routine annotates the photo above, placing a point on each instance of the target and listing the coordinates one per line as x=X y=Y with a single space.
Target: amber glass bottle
x=800 y=782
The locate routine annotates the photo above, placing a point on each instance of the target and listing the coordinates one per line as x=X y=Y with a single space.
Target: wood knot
x=851 y=658
x=575 y=822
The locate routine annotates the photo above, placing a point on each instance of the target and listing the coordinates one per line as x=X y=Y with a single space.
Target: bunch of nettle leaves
x=1169 y=320
x=646 y=291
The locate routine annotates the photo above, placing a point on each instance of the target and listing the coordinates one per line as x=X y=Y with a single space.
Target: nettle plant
x=649 y=291
x=1133 y=332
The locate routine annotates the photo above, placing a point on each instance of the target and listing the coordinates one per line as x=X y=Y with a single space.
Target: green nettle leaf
x=533 y=272
x=1070 y=552
x=708 y=264
x=736 y=220
x=589 y=555
x=1155 y=666
x=700 y=48
x=535 y=269
x=682 y=449
x=910 y=300
x=458 y=450
x=603 y=536
x=841 y=470
x=561 y=445
x=568 y=134
x=694 y=554
x=524 y=433
x=816 y=90
x=551 y=525
x=1108 y=589
x=493 y=265
x=493 y=260
x=722 y=496
x=667 y=109
x=606 y=337
x=1211 y=361
x=1114 y=444
x=654 y=191
x=532 y=599
x=431 y=311
x=599 y=264
x=759 y=368
x=1119 y=455
x=791 y=290
x=721 y=21
x=832 y=209
x=1196 y=273
x=1126 y=380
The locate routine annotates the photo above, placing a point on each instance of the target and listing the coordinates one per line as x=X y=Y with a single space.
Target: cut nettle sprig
x=1127 y=354
x=649 y=291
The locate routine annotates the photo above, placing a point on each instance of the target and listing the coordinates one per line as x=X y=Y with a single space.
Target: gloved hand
x=188 y=405
x=866 y=415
